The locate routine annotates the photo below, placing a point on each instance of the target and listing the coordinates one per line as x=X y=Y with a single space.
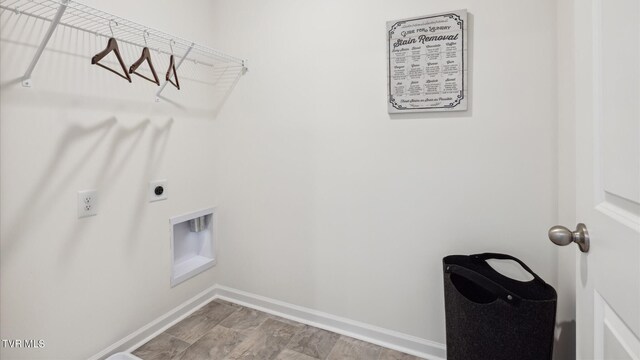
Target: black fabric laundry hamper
x=492 y=317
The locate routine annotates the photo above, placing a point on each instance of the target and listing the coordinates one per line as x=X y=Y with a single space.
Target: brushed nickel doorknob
x=562 y=236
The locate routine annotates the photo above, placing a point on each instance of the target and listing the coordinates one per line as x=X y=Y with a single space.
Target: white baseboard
x=157 y=326
x=376 y=335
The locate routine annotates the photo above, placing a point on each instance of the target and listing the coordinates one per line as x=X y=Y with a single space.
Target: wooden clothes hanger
x=112 y=45
x=146 y=55
x=172 y=67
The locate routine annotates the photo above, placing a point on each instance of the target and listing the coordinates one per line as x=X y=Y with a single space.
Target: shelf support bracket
x=177 y=67
x=26 y=79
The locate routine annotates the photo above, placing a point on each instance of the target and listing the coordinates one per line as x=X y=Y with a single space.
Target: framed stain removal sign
x=427 y=63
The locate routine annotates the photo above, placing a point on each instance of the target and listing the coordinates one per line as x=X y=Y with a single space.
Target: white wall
x=325 y=201
x=81 y=285
x=330 y=203
x=566 y=315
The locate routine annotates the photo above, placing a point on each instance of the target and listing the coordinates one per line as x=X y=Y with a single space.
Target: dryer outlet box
x=158 y=190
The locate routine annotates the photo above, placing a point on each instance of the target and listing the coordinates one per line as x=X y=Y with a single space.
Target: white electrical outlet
x=87 y=203
x=158 y=190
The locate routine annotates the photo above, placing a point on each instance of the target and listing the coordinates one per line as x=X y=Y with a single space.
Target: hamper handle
x=484 y=282
x=485 y=256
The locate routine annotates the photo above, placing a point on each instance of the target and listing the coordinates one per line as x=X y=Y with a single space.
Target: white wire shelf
x=75 y=15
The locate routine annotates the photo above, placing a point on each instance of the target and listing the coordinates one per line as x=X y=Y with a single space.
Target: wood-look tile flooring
x=222 y=330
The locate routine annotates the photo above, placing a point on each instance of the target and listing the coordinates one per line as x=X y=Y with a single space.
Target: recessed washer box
x=192 y=244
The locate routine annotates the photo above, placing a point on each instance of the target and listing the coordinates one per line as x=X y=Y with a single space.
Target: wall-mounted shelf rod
x=75 y=15
x=26 y=78
x=39 y=17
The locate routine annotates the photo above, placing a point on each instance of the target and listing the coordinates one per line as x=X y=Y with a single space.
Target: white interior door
x=607 y=89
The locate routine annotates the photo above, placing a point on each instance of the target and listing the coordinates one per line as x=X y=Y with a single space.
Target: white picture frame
x=427 y=63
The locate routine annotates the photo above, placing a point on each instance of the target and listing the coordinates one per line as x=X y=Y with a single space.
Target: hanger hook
x=171 y=47
x=110 y=28
x=144 y=36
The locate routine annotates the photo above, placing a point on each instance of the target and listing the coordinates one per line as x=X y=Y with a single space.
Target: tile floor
x=222 y=330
